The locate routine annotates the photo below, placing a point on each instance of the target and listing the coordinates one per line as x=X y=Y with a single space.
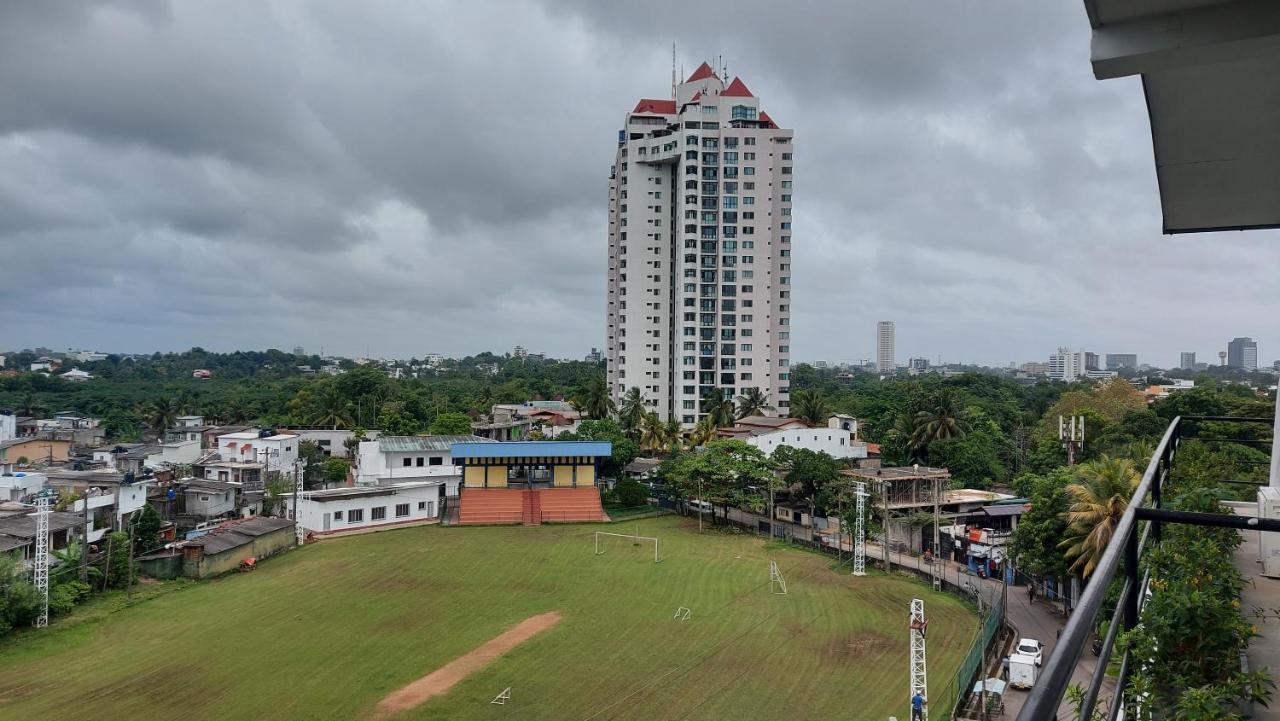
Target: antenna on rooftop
x=673 y=69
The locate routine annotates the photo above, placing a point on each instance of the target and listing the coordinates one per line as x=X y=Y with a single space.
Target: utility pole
x=129 y=569
x=884 y=489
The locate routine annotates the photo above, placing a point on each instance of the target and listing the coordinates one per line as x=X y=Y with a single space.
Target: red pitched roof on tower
x=737 y=89
x=647 y=105
x=703 y=72
x=768 y=121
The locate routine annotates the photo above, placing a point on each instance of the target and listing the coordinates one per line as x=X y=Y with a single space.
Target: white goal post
x=657 y=558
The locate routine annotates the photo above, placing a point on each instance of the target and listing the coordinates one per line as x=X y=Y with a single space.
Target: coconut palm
x=946 y=419
x=718 y=408
x=631 y=415
x=809 y=406
x=753 y=402
x=29 y=405
x=703 y=433
x=332 y=409
x=674 y=435
x=162 y=414
x=596 y=400
x=1098 y=499
x=653 y=433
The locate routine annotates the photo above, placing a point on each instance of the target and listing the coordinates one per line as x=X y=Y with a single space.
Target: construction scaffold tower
x=860 y=530
x=299 y=531
x=40 y=569
x=919 y=676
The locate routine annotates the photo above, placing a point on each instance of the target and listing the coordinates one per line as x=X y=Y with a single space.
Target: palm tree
x=162 y=414
x=29 y=406
x=653 y=433
x=718 y=408
x=1098 y=500
x=753 y=402
x=703 y=433
x=810 y=406
x=673 y=435
x=332 y=409
x=632 y=412
x=945 y=420
x=596 y=400
x=904 y=430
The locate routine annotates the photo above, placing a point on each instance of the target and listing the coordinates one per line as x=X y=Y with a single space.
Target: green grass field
x=325 y=632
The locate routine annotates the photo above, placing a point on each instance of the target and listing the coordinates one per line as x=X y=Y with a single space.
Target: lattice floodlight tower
x=860 y=530
x=919 y=676
x=40 y=569
x=299 y=532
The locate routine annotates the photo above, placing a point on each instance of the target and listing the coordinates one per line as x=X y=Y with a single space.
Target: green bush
x=630 y=493
x=64 y=596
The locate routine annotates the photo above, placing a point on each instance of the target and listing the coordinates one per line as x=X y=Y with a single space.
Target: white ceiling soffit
x=1211 y=73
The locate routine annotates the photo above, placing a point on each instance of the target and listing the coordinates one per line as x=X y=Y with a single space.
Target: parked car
x=1031 y=647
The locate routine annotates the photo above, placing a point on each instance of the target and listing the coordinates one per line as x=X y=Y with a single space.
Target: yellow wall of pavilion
x=563 y=476
x=497 y=476
x=473 y=476
x=586 y=476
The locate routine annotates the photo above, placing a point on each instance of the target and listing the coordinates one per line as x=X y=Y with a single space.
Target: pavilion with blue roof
x=530 y=482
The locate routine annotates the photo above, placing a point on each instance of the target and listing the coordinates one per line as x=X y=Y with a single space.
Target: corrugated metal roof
x=532 y=449
x=409 y=444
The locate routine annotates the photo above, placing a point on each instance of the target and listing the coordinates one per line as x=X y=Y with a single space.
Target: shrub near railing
x=1192 y=629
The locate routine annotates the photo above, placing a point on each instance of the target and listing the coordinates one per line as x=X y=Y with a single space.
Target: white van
x=699 y=506
x=1022 y=671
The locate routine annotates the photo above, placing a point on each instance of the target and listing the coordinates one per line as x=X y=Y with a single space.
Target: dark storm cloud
x=402 y=178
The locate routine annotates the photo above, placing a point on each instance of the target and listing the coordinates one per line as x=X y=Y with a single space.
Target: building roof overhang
x=1209 y=70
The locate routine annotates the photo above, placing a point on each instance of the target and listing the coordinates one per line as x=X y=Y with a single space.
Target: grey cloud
x=397 y=179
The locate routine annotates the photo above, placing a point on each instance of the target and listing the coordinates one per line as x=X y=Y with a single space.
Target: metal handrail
x=1047 y=694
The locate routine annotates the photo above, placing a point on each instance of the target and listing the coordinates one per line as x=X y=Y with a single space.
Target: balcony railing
x=1124 y=551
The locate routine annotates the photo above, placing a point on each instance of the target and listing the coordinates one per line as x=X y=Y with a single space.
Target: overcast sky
x=398 y=178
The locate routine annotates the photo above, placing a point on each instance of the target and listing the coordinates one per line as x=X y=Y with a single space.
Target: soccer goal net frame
x=657 y=557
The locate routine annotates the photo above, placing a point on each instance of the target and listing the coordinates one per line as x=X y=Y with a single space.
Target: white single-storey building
x=344 y=509
x=332 y=441
x=836 y=442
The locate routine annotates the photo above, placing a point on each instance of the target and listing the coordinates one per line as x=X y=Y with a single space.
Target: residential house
x=35 y=451
x=503 y=424
x=838 y=439
x=8 y=426
x=332 y=442
x=109 y=505
x=221 y=549
x=18 y=532
x=206 y=499
x=75 y=375
x=18 y=486
x=345 y=509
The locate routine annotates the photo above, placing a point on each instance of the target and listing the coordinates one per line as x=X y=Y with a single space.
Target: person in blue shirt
x=917 y=707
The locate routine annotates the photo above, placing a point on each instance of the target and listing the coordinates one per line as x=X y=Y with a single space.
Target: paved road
x=1040 y=620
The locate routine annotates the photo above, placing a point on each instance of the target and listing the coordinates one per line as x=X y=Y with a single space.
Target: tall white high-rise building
x=1187 y=360
x=1068 y=365
x=699 y=296
x=885 y=361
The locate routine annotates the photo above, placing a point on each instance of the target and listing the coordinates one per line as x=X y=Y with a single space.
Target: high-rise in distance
x=1243 y=353
x=1187 y=360
x=885 y=361
x=699 y=290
